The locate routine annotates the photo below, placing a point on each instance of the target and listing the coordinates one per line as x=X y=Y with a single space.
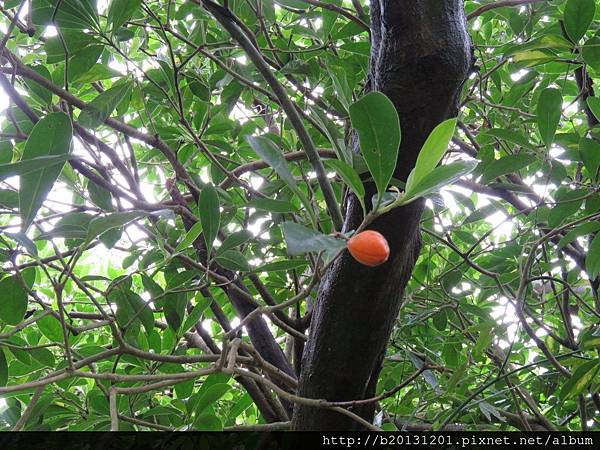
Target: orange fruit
x=369 y=248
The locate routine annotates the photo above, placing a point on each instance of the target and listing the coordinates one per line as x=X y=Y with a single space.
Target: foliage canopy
x=153 y=169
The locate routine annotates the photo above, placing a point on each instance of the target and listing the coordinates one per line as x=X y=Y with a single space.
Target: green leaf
x=174 y=309
x=51 y=136
x=506 y=165
x=376 y=121
x=580 y=230
x=272 y=155
x=142 y=310
x=31 y=165
x=9 y=199
x=432 y=152
x=98 y=110
x=300 y=240
x=578 y=17
x=51 y=328
x=438 y=178
x=70 y=226
x=120 y=11
x=43 y=94
x=297 y=5
x=332 y=131
x=235 y=240
x=268 y=204
x=13 y=305
x=14 y=302
x=100 y=225
x=440 y=320
x=581 y=380
x=509 y=136
x=208 y=422
x=350 y=177
x=130 y=305
x=210 y=214
x=548 y=114
x=22 y=239
x=211 y=396
x=592 y=260
x=196 y=313
x=567 y=204
x=282 y=266
x=590 y=155
x=233 y=260
x=189 y=237
x=594 y=105
x=83 y=61
x=100 y=196
x=71 y=14
x=591 y=52
x=3 y=369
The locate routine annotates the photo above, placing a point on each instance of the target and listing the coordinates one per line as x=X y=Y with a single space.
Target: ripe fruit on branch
x=369 y=248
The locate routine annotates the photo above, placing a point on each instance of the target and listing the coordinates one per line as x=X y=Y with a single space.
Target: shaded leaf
x=300 y=240
x=548 y=114
x=210 y=214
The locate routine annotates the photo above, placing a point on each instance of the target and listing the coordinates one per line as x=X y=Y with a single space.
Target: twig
x=30 y=407
x=227 y=20
x=114 y=412
x=500 y=4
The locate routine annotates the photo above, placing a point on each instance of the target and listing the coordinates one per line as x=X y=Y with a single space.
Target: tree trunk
x=420 y=57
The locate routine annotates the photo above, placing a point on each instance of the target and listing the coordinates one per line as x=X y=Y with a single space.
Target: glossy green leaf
x=51 y=136
x=350 y=177
x=580 y=230
x=212 y=395
x=581 y=379
x=283 y=266
x=276 y=206
x=592 y=260
x=196 y=313
x=506 y=165
x=301 y=240
x=590 y=155
x=102 y=224
x=24 y=167
x=99 y=109
x=235 y=240
x=14 y=300
x=272 y=155
x=51 y=328
x=594 y=105
x=591 y=52
x=432 y=152
x=120 y=11
x=210 y=214
x=174 y=309
x=100 y=196
x=233 y=260
x=438 y=178
x=71 y=14
x=578 y=17
x=548 y=114
x=190 y=237
x=376 y=121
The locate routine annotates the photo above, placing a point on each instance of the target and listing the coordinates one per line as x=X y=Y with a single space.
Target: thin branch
x=229 y=22
x=30 y=407
x=501 y=4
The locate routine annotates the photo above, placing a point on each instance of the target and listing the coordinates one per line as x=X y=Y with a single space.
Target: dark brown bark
x=420 y=58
